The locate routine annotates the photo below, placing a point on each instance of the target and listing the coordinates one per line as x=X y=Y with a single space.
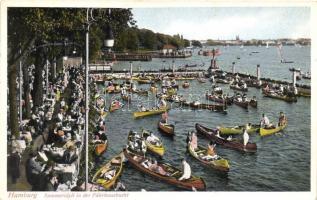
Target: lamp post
x=20 y=89
x=108 y=43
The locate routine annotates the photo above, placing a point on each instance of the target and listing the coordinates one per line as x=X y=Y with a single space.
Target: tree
x=28 y=27
x=197 y=43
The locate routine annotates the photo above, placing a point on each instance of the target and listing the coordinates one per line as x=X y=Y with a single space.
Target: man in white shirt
x=265 y=122
x=186 y=171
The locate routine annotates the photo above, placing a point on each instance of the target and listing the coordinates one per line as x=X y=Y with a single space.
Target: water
x=282 y=161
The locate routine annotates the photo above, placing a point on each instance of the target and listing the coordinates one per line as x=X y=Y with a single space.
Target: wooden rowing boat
x=168 y=129
x=100 y=148
x=270 y=131
x=281 y=97
x=219 y=99
x=242 y=104
x=144 y=81
x=116 y=164
x=201 y=80
x=156 y=148
x=238 y=129
x=141 y=114
x=217 y=163
x=234 y=87
x=171 y=176
x=253 y=103
x=233 y=144
x=185 y=84
x=141 y=92
x=197 y=105
x=115 y=106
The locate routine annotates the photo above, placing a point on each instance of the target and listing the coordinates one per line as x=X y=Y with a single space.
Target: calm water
x=282 y=162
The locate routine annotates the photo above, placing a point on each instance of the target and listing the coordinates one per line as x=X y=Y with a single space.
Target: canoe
x=266 y=132
x=201 y=80
x=218 y=163
x=253 y=103
x=114 y=107
x=141 y=114
x=144 y=81
x=213 y=107
x=168 y=129
x=157 y=149
x=185 y=85
x=114 y=164
x=141 y=92
x=173 y=174
x=242 y=104
x=224 y=81
x=101 y=148
x=238 y=88
x=238 y=129
x=218 y=99
x=281 y=97
x=233 y=144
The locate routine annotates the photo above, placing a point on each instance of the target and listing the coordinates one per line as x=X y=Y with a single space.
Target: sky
x=227 y=22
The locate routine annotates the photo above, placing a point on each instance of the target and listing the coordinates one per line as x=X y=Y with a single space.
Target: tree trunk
x=14 y=122
x=37 y=92
x=27 y=90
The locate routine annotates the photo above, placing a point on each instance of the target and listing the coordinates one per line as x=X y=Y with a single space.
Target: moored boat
x=115 y=105
x=140 y=114
x=233 y=144
x=186 y=84
x=217 y=163
x=219 y=99
x=168 y=129
x=235 y=87
x=107 y=175
x=167 y=173
x=286 y=98
x=101 y=147
x=243 y=104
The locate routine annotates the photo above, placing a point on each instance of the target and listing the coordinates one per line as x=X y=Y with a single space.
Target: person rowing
x=193 y=141
x=282 y=119
x=265 y=122
x=186 y=171
x=211 y=152
x=164 y=117
x=245 y=137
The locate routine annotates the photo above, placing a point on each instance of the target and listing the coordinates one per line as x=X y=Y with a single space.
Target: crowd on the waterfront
x=50 y=141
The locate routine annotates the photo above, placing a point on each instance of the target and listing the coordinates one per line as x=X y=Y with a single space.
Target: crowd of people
x=52 y=136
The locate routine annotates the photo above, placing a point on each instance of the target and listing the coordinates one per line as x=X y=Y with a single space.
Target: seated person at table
x=70 y=155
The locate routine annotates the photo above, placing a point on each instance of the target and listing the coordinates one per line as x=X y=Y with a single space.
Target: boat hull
x=108 y=184
x=218 y=164
x=266 y=132
x=141 y=114
x=196 y=182
x=168 y=129
x=237 y=145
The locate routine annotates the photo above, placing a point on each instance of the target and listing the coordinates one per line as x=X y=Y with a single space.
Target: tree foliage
x=33 y=27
